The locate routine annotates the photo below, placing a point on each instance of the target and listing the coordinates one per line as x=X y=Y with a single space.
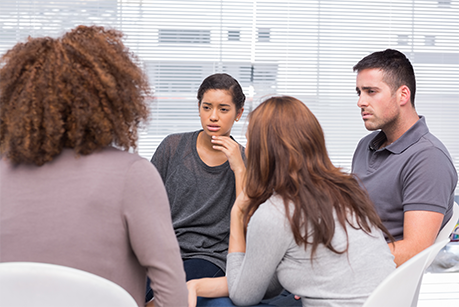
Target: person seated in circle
x=202 y=171
x=300 y=223
x=70 y=192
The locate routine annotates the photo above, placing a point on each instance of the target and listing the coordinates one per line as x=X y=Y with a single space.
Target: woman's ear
x=239 y=114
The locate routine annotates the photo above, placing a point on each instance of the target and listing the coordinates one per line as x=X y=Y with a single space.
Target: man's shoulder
x=419 y=138
x=431 y=140
x=428 y=146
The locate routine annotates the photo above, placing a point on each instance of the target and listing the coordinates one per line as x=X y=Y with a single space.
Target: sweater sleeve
x=151 y=234
x=252 y=275
x=160 y=158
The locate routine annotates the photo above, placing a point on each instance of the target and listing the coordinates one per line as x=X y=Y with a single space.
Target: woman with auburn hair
x=301 y=223
x=69 y=195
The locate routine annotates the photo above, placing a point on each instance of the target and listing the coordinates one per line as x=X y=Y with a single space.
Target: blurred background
x=302 y=48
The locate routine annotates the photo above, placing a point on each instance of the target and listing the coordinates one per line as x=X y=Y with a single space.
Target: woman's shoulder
x=184 y=135
x=175 y=140
x=114 y=156
x=273 y=209
x=270 y=220
x=127 y=164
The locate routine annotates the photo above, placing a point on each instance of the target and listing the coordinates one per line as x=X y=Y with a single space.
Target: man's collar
x=410 y=137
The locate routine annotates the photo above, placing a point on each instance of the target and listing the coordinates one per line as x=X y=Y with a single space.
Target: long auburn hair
x=286 y=155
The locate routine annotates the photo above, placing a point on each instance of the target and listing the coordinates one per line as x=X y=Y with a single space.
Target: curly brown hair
x=84 y=90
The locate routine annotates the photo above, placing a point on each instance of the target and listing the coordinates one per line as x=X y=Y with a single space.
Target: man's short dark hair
x=397 y=69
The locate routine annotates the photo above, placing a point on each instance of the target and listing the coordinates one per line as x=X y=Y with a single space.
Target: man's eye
x=224 y=110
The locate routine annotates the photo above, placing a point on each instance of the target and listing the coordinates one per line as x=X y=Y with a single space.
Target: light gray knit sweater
x=273 y=260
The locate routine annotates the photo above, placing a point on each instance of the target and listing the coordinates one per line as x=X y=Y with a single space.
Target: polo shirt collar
x=410 y=137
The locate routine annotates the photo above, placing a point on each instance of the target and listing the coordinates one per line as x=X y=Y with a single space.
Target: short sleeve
x=429 y=179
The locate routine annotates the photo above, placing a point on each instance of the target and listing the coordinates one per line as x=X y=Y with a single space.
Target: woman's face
x=218 y=112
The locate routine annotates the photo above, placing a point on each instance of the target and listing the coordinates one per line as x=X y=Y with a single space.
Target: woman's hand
x=232 y=151
x=206 y=287
x=192 y=295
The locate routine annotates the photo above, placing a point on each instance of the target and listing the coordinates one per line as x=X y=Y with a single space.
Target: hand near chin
x=232 y=151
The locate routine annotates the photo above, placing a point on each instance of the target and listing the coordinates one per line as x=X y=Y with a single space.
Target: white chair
x=50 y=285
x=444 y=234
x=399 y=289
x=449 y=227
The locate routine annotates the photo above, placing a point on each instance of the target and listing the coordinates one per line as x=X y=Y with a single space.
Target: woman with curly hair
x=312 y=229
x=70 y=192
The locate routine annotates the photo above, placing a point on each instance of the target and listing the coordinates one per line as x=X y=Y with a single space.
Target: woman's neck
x=207 y=153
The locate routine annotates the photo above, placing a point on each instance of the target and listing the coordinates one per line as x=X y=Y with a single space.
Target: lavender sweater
x=106 y=213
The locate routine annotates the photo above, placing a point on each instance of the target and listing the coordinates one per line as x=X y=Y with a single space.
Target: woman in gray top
x=301 y=224
x=202 y=172
x=68 y=196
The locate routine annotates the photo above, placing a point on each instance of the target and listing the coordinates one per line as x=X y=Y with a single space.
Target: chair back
x=444 y=234
x=449 y=227
x=50 y=285
x=399 y=289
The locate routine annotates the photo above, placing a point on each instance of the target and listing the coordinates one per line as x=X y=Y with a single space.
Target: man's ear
x=404 y=95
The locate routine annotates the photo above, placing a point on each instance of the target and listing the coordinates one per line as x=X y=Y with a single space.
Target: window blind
x=301 y=48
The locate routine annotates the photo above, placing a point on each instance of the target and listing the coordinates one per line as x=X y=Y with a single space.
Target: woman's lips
x=213 y=128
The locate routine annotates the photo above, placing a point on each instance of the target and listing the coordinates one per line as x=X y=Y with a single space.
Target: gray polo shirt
x=415 y=172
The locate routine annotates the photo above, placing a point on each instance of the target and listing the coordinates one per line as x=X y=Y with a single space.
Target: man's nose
x=362 y=102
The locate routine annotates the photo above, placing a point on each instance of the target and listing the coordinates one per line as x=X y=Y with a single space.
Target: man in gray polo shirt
x=406 y=170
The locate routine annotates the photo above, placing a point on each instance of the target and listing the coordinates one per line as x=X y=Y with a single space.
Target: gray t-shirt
x=273 y=260
x=200 y=197
x=413 y=173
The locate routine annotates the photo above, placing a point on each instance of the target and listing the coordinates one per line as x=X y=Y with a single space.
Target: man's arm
x=420 y=229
